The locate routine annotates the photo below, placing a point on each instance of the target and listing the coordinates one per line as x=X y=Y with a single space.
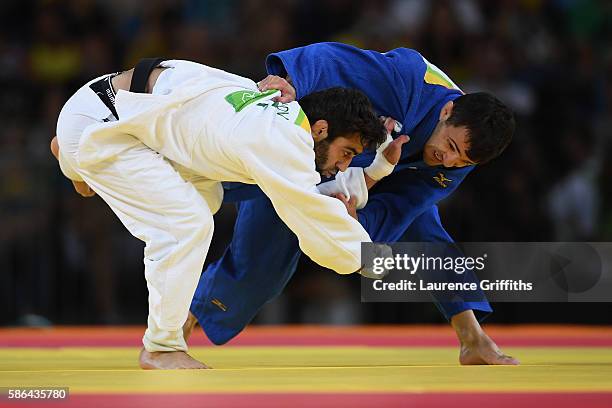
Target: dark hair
x=346 y=111
x=490 y=124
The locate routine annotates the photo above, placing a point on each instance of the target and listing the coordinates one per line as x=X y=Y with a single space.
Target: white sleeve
x=67 y=169
x=285 y=170
x=351 y=183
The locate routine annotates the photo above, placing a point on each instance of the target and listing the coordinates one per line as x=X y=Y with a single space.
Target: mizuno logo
x=110 y=95
x=220 y=305
x=442 y=180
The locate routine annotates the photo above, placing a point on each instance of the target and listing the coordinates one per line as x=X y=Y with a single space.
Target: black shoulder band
x=141 y=73
x=104 y=89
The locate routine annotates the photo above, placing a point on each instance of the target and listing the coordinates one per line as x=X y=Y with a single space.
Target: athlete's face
x=447 y=147
x=337 y=154
x=448 y=144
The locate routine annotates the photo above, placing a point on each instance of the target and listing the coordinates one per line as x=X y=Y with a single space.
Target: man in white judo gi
x=160 y=166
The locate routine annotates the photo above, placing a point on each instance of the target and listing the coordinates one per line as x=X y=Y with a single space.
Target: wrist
x=369 y=181
x=379 y=168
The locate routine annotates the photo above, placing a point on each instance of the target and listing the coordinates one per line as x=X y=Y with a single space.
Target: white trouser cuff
x=156 y=339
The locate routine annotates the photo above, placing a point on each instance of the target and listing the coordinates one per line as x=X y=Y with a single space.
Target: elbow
x=55 y=148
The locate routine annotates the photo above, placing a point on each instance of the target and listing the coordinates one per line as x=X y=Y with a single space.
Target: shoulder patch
x=241 y=99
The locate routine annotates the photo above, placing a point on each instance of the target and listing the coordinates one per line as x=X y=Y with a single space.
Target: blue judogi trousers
x=262 y=258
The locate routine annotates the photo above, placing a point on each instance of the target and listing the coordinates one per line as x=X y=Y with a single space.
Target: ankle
x=466 y=327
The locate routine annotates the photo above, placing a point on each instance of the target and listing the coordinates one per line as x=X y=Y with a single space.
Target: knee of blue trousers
x=428 y=228
x=254 y=269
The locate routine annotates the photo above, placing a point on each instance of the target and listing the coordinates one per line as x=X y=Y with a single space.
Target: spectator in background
x=572 y=202
x=546 y=59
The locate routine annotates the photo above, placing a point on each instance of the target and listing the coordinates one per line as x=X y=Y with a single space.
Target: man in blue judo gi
x=449 y=133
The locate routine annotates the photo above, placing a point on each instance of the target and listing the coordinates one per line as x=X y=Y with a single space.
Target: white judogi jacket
x=218 y=125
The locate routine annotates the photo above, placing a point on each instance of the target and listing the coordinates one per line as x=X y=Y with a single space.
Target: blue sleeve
x=393 y=81
x=403 y=196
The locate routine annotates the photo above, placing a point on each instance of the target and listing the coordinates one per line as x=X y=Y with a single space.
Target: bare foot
x=476 y=347
x=168 y=360
x=189 y=325
x=483 y=350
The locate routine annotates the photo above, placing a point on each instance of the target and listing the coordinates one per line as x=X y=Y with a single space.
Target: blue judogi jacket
x=400 y=84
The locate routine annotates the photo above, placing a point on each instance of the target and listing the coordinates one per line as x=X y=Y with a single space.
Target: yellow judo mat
x=318 y=375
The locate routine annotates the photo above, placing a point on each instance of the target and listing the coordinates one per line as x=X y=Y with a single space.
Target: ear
x=319 y=130
x=447 y=110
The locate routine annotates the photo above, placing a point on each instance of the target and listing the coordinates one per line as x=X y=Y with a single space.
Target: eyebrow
x=469 y=162
x=352 y=149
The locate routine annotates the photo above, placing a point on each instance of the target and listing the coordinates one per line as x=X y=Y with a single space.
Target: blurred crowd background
x=67 y=260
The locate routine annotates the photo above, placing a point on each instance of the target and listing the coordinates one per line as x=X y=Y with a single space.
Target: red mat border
x=324 y=400
x=391 y=336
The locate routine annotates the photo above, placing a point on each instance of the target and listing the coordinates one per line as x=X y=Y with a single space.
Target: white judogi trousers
x=159 y=203
x=160 y=166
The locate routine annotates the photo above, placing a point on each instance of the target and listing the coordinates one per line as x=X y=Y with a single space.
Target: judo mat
x=304 y=366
